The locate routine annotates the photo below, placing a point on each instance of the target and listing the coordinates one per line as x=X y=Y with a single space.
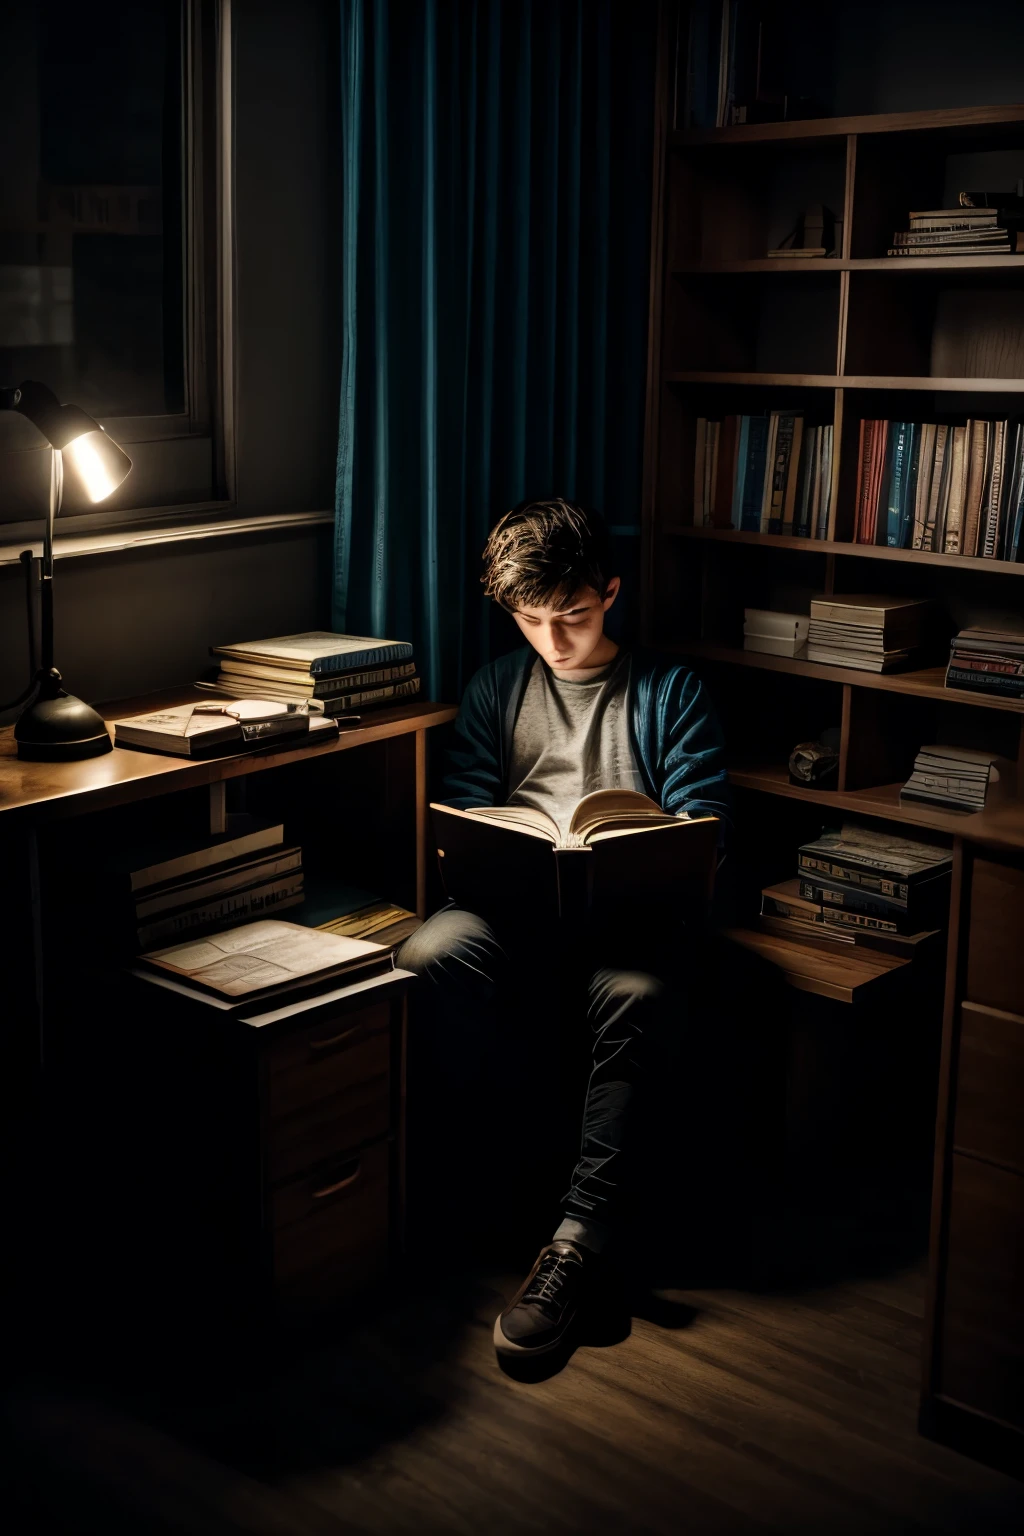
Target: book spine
x=869 y=880
x=240 y=904
x=957 y=484
x=780 y=471
x=897 y=485
x=861 y=920
x=863 y=464
x=769 y=471
x=936 y=491
x=1010 y=687
x=753 y=485
x=373 y=656
x=1015 y=499
x=700 y=448
x=834 y=899
x=739 y=485
x=993 y=493
x=825 y=489
x=976 y=663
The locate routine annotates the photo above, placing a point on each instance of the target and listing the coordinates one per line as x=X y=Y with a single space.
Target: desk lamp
x=57 y=727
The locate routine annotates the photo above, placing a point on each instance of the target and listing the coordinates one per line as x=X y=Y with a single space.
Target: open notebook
x=619 y=847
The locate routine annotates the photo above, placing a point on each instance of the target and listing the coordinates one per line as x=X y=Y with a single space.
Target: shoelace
x=546 y=1287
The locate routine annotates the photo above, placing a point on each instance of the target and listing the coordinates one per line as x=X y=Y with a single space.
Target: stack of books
x=777 y=634
x=873 y=634
x=187 y=890
x=988 y=661
x=343 y=672
x=854 y=886
x=763 y=474
x=955 y=490
x=961 y=231
x=956 y=778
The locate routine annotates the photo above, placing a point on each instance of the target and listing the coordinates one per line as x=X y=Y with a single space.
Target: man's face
x=570 y=634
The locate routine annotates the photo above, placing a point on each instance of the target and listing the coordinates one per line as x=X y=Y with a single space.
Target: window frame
x=208 y=317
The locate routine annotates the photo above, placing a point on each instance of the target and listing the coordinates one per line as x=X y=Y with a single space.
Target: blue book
x=897 y=470
x=753 y=479
x=741 y=472
x=908 y=494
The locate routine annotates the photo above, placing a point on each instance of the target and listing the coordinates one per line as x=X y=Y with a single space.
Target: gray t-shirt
x=571 y=739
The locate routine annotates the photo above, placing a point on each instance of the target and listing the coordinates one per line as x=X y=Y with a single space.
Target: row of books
x=190 y=889
x=987 y=661
x=245 y=872
x=930 y=486
x=955 y=778
x=341 y=672
x=857 y=886
x=964 y=230
x=763 y=474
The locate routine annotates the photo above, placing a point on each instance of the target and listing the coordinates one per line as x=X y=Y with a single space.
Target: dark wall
x=133 y=621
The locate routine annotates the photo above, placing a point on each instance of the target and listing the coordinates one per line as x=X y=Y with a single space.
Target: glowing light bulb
x=99 y=463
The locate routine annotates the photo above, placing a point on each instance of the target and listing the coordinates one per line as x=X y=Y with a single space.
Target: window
x=108 y=249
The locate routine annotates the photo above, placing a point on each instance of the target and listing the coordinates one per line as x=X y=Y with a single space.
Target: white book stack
x=777 y=634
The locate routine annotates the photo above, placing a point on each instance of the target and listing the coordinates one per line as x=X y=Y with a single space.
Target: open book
x=619 y=848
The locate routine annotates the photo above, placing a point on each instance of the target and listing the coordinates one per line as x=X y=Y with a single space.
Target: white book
x=765 y=621
x=773 y=645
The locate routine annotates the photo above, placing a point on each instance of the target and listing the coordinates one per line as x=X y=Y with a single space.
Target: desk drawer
x=343 y=1053
x=981 y=1361
x=331 y=1231
x=308 y=1138
x=990 y=1085
x=995 y=945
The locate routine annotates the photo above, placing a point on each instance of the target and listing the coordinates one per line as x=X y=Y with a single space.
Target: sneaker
x=542 y=1311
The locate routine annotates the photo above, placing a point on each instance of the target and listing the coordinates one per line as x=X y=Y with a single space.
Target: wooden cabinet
x=974 y=1360
x=271 y=1143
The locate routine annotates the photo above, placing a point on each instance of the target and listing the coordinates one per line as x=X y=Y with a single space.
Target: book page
x=621 y=807
x=261 y=954
x=522 y=818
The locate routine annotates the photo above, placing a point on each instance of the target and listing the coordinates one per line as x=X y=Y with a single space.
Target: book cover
x=785 y=436
x=319 y=651
x=908 y=495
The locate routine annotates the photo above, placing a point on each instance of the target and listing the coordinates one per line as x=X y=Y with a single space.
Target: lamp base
x=58 y=728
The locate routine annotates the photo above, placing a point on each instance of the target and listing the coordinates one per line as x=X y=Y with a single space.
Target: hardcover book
x=319 y=651
x=620 y=849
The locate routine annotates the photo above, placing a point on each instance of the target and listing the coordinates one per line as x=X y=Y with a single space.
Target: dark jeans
x=495 y=1010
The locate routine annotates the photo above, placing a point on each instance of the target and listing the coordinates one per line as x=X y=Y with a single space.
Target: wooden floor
x=720 y=1412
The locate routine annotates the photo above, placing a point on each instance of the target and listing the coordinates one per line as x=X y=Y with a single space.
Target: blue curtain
x=495 y=256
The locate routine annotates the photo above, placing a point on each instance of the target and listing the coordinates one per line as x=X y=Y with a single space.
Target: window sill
x=142 y=535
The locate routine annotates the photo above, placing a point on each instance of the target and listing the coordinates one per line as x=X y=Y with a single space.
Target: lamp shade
x=94 y=457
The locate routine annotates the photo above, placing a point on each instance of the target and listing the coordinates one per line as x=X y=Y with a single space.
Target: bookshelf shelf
x=881 y=800
x=843 y=547
x=893 y=264
x=924 y=683
x=909 y=383
x=938 y=120
x=848 y=975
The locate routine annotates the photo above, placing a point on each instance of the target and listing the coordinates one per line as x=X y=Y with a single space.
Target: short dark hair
x=542 y=552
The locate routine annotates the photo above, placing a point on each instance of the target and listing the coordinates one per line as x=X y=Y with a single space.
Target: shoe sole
x=506 y=1346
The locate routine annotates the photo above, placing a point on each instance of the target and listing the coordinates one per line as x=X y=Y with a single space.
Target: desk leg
x=421 y=824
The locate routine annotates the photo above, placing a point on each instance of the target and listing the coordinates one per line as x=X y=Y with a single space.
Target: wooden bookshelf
x=855 y=336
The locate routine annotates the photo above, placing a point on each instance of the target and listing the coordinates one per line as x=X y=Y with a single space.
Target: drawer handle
x=333 y=1040
x=339 y=1184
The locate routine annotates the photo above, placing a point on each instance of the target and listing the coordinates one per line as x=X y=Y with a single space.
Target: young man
x=570 y=713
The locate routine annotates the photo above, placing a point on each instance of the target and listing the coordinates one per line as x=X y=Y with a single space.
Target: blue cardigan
x=676 y=738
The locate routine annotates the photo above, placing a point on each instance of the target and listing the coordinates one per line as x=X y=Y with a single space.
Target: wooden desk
x=973 y=1392
x=360 y=816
